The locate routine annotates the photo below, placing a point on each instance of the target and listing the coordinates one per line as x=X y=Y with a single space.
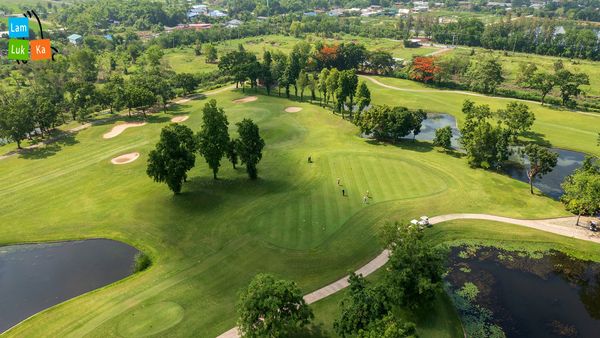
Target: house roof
x=74 y=37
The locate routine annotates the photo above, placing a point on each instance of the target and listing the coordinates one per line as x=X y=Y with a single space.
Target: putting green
x=151 y=319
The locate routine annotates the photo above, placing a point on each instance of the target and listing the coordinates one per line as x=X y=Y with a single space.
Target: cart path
x=462 y=92
x=549 y=225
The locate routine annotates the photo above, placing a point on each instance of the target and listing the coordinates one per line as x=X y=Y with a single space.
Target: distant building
x=310 y=13
x=75 y=39
x=108 y=37
x=559 y=30
x=216 y=14
x=197 y=10
x=191 y=26
x=335 y=12
x=235 y=23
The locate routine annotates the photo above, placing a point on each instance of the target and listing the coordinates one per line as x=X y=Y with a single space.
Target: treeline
x=89 y=16
x=484 y=74
x=70 y=89
x=175 y=153
x=540 y=36
x=272 y=307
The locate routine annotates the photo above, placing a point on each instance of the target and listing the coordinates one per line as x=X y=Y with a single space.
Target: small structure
x=108 y=37
x=217 y=14
x=235 y=23
x=75 y=39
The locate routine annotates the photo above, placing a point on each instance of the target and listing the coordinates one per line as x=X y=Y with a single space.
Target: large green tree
x=271 y=307
x=213 y=138
x=443 y=137
x=415 y=268
x=485 y=74
x=518 y=118
x=362 y=305
x=541 y=162
x=363 y=97
x=249 y=146
x=582 y=190
x=173 y=157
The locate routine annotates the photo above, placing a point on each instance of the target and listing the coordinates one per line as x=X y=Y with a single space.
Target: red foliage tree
x=327 y=57
x=424 y=69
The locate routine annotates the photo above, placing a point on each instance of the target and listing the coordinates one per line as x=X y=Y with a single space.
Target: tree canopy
x=271 y=307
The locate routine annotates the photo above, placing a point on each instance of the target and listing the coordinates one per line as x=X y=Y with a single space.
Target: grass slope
x=212 y=239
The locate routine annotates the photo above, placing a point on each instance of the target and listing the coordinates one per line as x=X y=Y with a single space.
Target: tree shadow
x=537 y=138
x=311 y=331
x=405 y=144
x=49 y=147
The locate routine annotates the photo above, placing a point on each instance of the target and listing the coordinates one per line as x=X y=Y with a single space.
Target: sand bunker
x=124 y=159
x=293 y=109
x=178 y=119
x=118 y=129
x=246 y=99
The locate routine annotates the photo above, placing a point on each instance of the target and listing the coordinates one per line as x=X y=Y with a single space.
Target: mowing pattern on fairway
x=303 y=220
x=151 y=319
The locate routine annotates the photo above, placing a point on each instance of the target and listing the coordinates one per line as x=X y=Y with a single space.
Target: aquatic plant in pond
x=524 y=294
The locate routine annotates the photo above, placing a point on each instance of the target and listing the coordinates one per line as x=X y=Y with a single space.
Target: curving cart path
x=555 y=225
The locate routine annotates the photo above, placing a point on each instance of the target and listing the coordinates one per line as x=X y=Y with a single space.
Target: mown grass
x=208 y=242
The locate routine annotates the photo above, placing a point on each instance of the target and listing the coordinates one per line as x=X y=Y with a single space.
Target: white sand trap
x=246 y=99
x=118 y=129
x=124 y=159
x=178 y=119
x=293 y=109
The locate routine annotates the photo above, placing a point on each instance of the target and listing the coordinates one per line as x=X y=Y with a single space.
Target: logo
x=20 y=48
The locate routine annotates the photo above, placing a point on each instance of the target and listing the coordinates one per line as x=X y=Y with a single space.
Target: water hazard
x=34 y=277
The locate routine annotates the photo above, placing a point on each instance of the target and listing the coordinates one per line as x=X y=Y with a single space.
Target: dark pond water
x=568 y=161
x=436 y=121
x=34 y=277
x=549 y=296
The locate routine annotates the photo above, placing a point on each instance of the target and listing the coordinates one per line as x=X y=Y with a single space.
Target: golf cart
x=423 y=223
x=593 y=226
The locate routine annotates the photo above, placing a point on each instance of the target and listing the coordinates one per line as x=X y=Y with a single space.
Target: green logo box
x=18 y=49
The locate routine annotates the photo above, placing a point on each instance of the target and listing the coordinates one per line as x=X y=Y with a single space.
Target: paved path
x=462 y=92
x=557 y=226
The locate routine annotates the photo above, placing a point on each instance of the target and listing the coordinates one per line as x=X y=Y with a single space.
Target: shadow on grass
x=311 y=331
x=406 y=144
x=538 y=138
x=53 y=145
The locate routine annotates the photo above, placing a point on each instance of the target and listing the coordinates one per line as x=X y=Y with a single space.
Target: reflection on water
x=549 y=296
x=437 y=121
x=568 y=161
x=34 y=277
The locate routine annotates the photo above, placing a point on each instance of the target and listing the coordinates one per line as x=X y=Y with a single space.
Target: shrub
x=142 y=262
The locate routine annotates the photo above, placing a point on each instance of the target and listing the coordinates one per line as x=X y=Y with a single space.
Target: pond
x=34 y=277
x=436 y=121
x=549 y=184
x=523 y=295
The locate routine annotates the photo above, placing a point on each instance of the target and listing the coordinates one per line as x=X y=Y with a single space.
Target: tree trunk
x=531 y=185
x=578 y=217
x=215 y=174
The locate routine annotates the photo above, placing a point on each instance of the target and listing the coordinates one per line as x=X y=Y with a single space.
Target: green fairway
x=212 y=239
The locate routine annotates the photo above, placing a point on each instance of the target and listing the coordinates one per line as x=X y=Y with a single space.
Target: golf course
x=209 y=241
